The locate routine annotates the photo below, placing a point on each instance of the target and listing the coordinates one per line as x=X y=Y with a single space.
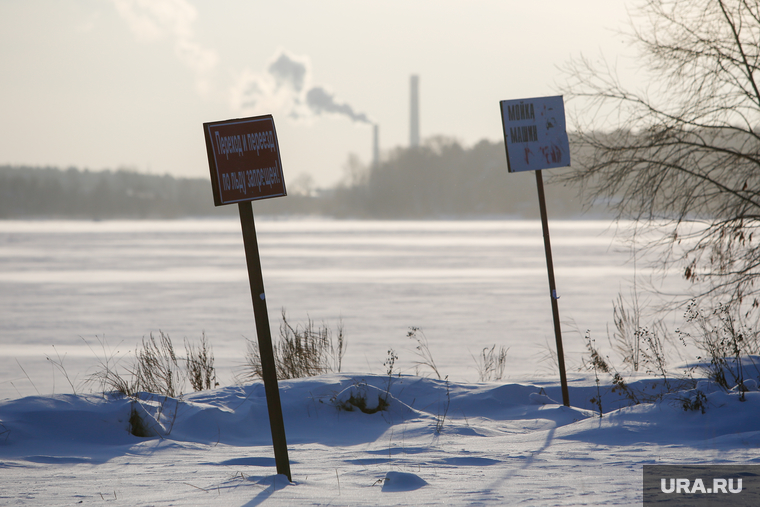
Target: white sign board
x=535 y=134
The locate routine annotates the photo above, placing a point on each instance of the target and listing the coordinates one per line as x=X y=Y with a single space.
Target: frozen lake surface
x=66 y=287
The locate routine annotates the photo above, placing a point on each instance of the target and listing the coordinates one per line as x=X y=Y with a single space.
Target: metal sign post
x=268 y=368
x=244 y=160
x=535 y=138
x=552 y=289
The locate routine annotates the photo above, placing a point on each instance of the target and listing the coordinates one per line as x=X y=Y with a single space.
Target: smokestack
x=375 y=146
x=414 y=116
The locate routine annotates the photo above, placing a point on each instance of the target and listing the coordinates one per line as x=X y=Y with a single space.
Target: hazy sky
x=111 y=83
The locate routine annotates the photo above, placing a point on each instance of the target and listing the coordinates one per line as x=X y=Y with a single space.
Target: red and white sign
x=535 y=134
x=244 y=160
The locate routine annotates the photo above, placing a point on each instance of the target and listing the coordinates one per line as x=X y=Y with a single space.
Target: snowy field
x=71 y=290
x=466 y=284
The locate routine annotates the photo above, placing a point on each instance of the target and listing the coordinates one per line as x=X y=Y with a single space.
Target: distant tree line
x=440 y=179
x=73 y=193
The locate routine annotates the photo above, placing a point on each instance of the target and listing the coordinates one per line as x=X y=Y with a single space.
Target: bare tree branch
x=682 y=157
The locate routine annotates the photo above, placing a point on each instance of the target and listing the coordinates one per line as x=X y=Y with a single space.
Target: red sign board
x=244 y=160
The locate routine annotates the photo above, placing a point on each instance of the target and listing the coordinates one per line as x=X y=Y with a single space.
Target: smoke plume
x=320 y=101
x=288 y=71
x=286 y=86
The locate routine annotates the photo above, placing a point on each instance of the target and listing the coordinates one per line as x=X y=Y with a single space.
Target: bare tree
x=681 y=156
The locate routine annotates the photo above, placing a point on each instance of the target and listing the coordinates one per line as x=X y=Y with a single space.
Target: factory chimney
x=414 y=110
x=375 y=146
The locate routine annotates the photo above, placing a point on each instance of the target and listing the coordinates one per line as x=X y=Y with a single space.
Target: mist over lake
x=75 y=290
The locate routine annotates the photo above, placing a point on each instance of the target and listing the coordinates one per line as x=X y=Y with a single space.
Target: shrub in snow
x=301 y=351
x=157 y=369
x=199 y=363
x=140 y=422
x=362 y=397
x=727 y=335
x=746 y=386
x=694 y=400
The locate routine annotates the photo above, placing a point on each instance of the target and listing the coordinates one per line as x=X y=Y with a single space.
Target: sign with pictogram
x=534 y=133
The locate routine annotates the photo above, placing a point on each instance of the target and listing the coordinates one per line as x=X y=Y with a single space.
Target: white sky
x=102 y=84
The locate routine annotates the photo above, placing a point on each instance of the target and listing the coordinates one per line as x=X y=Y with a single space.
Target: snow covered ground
x=467 y=284
x=498 y=444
